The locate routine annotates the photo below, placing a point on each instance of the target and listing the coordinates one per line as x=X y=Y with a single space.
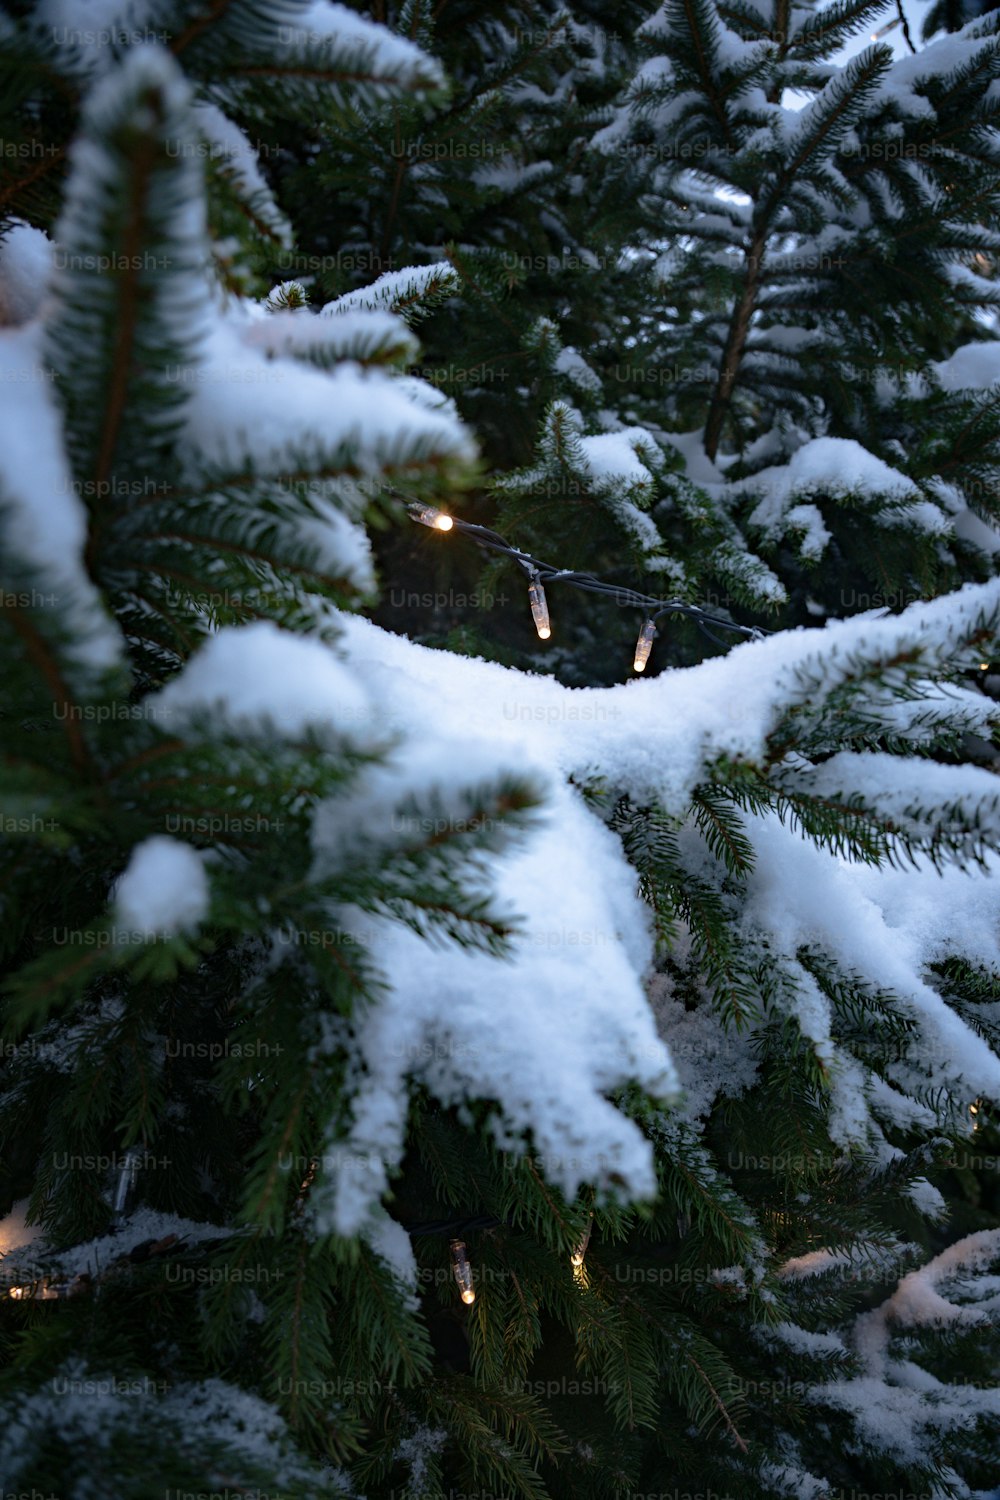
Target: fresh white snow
x=164 y=889
x=45 y=520
x=25 y=268
x=470 y=1025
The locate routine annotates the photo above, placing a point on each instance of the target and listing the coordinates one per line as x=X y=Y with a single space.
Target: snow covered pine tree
x=674 y=1002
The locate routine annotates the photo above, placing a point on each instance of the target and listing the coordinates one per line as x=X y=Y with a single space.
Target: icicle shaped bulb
x=463 y=1271
x=580 y=1248
x=644 y=646
x=884 y=30
x=428 y=515
x=539 y=608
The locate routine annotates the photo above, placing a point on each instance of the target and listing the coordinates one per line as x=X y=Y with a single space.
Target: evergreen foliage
x=580 y=272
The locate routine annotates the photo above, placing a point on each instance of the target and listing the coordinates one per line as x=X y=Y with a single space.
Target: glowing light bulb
x=429 y=515
x=39 y=1291
x=463 y=1271
x=539 y=607
x=580 y=1248
x=644 y=646
x=984 y=666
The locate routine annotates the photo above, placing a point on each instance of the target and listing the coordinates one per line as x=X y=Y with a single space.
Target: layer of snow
x=655 y=736
x=395 y=290
x=359 y=334
x=44 y=520
x=388 y=54
x=259 y=676
x=571 y=363
x=231 y=149
x=164 y=889
x=621 y=477
x=895 y=1403
x=243 y=403
x=611 y=457
x=93 y=1257
x=25 y=268
x=710 y=1060
x=97 y=1410
x=826 y=466
x=469 y=1025
x=92 y=34
x=972 y=367
x=871 y=921
x=15 y=1234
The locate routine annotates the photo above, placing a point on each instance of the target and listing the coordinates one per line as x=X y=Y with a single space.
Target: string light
x=463 y=1271
x=126 y=1183
x=59 y=1286
x=539 y=573
x=539 y=608
x=884 y=30
x=644 y=646
x=428 y=515
x=580 y=1248
x=45 y=1290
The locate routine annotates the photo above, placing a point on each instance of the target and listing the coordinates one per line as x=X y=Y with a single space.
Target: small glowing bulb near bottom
x=463 y=1271
x=580 y=1248
x=36 y=1291
x=539 y=607
x=644 y=646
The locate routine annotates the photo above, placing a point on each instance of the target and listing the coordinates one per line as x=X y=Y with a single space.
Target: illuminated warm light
x=580 y=1249
x=38 y=1291
x=463 y=1271
x=429 y=515
x=539 y=608
x=984 y=666
x=644 y=646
